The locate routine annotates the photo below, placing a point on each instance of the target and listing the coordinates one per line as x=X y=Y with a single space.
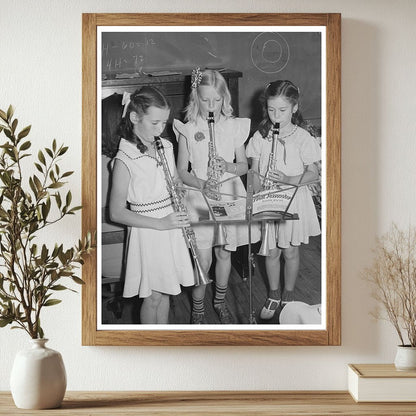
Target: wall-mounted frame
x=268 y=59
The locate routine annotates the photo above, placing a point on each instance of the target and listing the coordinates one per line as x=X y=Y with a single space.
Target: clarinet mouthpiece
x=276 y=128
x=158 y=143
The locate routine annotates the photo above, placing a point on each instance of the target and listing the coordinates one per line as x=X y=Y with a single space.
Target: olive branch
x=30 y=274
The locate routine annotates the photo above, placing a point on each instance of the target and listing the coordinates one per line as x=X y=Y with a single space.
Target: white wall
x=40 y=74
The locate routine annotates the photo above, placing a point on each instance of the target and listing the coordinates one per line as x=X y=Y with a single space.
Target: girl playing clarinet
x=157 y=261
x=296 y=159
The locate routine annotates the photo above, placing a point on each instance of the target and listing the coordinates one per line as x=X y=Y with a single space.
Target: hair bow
x=125 y=102
x=196 y=77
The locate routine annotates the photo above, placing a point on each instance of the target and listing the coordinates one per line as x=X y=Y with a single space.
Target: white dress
x=230 y=134
x=154 y=260
x=302 y=149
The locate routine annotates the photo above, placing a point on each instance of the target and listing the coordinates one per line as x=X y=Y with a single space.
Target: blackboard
x=262 y=57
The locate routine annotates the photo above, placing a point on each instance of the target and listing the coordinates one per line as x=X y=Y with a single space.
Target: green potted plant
x=393 y=278
x=31 y=272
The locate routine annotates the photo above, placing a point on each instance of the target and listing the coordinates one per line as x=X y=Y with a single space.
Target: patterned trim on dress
x=139 y=157
x=269 y=136
x=151 y=206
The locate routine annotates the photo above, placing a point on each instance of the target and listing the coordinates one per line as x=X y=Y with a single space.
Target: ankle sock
x=220 y=292
x=288 y=296
x=275 y=294
x=198 y=305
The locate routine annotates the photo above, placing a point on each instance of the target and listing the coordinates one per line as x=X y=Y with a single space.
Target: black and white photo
x=212 y=175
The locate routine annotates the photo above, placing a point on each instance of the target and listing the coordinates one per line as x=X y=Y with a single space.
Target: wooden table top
x=179 y=403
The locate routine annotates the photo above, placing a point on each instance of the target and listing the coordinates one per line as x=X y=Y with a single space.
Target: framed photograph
x=268 y=65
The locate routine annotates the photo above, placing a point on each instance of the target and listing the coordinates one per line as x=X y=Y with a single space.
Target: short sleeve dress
x=230 y=134
x=299 y=150
x=154 y=260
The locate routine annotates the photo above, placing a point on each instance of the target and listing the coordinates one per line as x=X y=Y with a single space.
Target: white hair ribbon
x=125 y=102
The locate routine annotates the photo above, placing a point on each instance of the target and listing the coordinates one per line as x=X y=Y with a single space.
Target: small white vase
x=405 y=358
x=38 y=377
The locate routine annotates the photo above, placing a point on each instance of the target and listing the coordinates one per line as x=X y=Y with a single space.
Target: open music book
x=276 y=200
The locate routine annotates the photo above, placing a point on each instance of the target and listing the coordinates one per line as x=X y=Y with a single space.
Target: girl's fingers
x=220 y=162
x=276 y=175
x=182 y=219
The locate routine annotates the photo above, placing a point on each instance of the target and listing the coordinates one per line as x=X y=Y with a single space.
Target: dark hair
x=140 y=101
x=280 y=88
x=110 y=120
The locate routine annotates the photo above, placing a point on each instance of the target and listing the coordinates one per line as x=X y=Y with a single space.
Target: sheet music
x=234 y=210
x=276 y=200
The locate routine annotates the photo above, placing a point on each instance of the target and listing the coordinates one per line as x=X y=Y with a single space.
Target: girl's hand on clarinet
x=220 y=165
x=179 y=188
x=278 y=176
x=174 y=220
x=209 y=189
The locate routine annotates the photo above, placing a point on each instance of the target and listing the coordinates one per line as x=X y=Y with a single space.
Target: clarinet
x=267 y=182
x=188 y=233
x=213 y=174
x=268 y=185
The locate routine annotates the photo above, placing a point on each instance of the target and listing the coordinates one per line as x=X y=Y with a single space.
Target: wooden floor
x=117 y=310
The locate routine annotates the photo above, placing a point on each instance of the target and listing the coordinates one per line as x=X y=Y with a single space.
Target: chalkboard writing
x=124 y=53
x=262 y=57
x=143 y=52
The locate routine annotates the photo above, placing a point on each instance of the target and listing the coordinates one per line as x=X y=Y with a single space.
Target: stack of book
x=381 y=383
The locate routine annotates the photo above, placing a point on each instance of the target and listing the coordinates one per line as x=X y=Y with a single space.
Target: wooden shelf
x=179 y=403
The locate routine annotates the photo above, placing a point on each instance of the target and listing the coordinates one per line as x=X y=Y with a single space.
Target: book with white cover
x=381 y=383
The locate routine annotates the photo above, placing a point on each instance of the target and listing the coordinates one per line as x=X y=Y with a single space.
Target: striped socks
x=220 y=292
x=198 y=305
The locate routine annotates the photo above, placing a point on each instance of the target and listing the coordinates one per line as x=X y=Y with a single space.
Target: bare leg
x=222 y=266
x=162 y=316
x=148 y=311
x=273 y=269
x=291 y=256
x=273 y=275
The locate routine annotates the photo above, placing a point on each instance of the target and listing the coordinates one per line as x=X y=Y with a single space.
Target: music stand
x=249 y=217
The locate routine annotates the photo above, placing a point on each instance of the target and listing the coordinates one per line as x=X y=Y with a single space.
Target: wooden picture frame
x=331 y=333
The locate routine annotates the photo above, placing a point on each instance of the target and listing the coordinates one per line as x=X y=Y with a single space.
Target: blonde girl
x=210 y=94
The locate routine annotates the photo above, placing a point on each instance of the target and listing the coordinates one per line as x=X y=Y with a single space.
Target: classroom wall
x=40 y=73
x=260 y=57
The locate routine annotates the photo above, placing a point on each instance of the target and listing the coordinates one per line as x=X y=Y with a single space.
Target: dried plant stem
x=393 y=276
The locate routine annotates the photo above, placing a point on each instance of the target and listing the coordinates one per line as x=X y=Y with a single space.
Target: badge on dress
x=199 y=136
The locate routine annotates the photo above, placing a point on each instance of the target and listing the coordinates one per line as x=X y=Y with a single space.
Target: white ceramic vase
x=38 y=377
x=405 y=358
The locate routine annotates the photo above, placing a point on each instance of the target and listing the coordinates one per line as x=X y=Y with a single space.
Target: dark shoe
x=269 y=308
x=197 y=318
x=223 y=313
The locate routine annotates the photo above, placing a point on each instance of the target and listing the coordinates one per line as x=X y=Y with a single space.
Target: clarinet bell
x=220 y=235
x=265 y=247
x=201 y=278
